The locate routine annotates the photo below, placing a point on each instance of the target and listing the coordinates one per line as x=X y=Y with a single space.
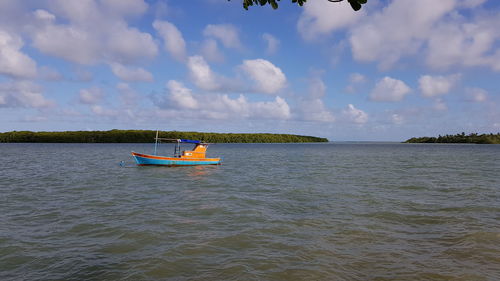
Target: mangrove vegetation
x=145 y=136
x=459 y=138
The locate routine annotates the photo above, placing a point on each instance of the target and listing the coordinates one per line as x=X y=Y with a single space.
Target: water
x=270 y=212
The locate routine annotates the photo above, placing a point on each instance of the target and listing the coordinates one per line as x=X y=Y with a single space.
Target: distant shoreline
x=459 y=138
x=147 y=136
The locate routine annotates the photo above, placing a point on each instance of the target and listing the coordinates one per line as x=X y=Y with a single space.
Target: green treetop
x=355 y=4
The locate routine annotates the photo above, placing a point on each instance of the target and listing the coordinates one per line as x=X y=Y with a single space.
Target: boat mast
x=177 y=151
x=156 y=141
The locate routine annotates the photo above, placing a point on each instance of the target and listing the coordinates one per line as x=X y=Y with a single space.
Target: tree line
x=145 y=136
x=459 y=138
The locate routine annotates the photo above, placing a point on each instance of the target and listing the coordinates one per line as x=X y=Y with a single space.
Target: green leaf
x=355 y=5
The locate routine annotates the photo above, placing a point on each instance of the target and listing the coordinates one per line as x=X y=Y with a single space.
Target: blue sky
x=394 y=70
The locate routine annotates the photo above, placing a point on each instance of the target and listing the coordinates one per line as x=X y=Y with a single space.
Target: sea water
x=330 y=211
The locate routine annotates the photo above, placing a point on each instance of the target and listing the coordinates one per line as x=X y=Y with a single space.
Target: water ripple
x=276 y=212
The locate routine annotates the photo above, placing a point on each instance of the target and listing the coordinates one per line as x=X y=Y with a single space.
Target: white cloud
x=101 y=111
x=277 y=109
x=321 y=17
x=173 y=39
x=127 y=95
x=471 y=3
x=224 y=107
x=82 y=75
x=44 y=16
x=315 y=110
x=397 y=119
x=399 y=29
x=91 y=96
x=90 y=33
x=312 y=107
x=357 y=78
x=432 y=86
x=221 y=106
x=50 y=74
x=355 y=115
x=440 y=105
x=435 y=28
x=37 y=118
x=23 y=94
x=465 y=43
x=181 y=96
x=201 y=74
x=272 y=43
x=317 y=88
x=131 y=74
x=204 y=78
x=476 y=94
x=12 y=61
x=226 y=33
x=124 y=8
x=389 y=90
x=210 y=51
x=269 y=78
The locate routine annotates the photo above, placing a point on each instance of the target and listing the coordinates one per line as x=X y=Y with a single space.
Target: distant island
x=147 y=136
x=459 y=138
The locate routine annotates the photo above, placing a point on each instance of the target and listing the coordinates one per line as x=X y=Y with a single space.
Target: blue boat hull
x=145 y=159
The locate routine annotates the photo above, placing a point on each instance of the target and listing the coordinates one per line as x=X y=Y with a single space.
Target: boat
x=196 y=156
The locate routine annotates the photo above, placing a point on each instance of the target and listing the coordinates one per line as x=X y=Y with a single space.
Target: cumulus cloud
x=471 y=3
x=476 y=94
x=227 y=34
x=268 y=77
x=173 y=40
x=204 y=78
x=201 y=74
x=398 y=29
x=23 y=94
x=355 y=115
x=435 y=29
x=355 y=80
x=389 y=90
x=86 y=32
x=125 y=8
x=277 y=109
x=131 y=74
x=82 y=75
x=440 y=105
x=102 y=111
x=321 y=17
x=91 y=96
x=210 y=51
x=272 y=43
x=181 y=96
x=312 y=107
x=315 y=110
x=13 y=62
x=432 y=86
x=49 y=74
x=397 y=119
x=128 y=96
x=317 y=88
x=44 y=16
x=220 y=106
x=465 y=43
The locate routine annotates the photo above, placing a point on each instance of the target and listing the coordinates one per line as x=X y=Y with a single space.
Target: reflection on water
x=201 y=171
x=275 y=212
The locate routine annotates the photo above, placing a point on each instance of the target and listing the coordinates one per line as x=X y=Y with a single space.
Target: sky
x=391 y=71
